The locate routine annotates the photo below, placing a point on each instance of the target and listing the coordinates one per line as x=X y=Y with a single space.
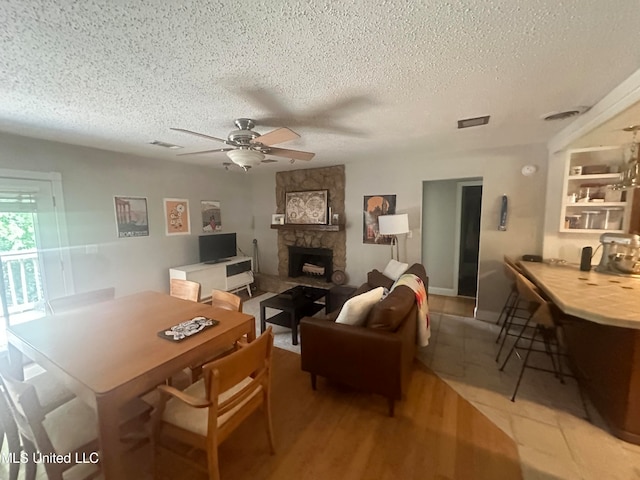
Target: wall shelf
x=317 y=228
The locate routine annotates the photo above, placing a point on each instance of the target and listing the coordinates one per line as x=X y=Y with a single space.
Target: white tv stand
x=229 y=275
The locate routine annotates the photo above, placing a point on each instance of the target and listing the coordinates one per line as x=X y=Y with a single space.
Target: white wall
x=438 y=233
x=263 y=187
x=91 y=178
x=404 y=176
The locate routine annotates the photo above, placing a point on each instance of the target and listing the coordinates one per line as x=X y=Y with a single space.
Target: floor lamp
x=394 y=225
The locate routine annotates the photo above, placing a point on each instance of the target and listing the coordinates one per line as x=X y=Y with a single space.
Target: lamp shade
x=245 y=157
x=393 y=224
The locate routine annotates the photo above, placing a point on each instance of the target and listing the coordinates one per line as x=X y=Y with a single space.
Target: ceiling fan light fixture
x=245 y=157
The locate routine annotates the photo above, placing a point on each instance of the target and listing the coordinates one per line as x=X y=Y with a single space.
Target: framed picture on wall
x=132 y=218
x=211 y=218
x=309 y=207
x=176 y=216
x=374 y=206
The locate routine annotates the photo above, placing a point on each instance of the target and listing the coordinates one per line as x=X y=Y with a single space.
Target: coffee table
x=295 y=303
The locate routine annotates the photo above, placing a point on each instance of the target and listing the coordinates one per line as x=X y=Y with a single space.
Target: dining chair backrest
x=226 y=300
x=528 y=291
x=185 y=289
x=23 y=403
x=71 y=302
x=233 y=388
x=67 y=430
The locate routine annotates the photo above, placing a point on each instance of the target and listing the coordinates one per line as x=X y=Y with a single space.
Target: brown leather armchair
x=375 y=358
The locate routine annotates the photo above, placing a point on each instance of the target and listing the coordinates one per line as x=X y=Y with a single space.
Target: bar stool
x=513 y=307
x=544 y=331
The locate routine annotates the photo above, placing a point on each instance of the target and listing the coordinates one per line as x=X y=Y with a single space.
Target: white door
x=34 y=258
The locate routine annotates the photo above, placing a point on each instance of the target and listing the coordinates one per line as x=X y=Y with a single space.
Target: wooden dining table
x=110 y=353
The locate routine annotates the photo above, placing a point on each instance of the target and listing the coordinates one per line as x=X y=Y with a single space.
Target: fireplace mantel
x=317 y=228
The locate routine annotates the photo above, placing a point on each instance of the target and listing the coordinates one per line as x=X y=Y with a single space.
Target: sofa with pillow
x=369 y=343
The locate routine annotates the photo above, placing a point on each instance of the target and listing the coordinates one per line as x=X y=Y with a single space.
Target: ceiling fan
x=248 y=148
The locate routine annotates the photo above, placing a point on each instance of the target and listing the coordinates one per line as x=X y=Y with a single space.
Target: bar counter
x=601 y=325
x=598 y=297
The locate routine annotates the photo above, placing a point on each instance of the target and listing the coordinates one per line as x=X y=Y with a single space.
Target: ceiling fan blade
x=198 y=134
x=206 y=151
x=279 y=135
x=293 y=154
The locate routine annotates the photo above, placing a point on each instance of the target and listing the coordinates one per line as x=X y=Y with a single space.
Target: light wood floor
x=336 y=433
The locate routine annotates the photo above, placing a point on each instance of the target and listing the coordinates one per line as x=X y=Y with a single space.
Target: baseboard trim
x=487 y=316
x=448 y=292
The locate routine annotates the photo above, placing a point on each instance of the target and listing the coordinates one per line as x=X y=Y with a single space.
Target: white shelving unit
x=230 y=275
x=583 y=214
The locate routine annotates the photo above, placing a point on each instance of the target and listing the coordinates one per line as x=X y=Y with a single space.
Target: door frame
x=456 y=251
x=55 y=179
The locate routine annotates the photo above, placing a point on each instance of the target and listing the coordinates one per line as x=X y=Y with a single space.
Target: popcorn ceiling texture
x=116 y=75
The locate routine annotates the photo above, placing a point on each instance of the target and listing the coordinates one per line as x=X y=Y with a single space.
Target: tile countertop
x=598 y=297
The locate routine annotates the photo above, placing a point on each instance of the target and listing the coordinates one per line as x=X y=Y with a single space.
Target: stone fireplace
x=324 y=238
x=311 y=262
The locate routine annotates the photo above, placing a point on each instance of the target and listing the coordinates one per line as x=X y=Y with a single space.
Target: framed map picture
x=132 y=218
x=176 y=216
x=308 y=207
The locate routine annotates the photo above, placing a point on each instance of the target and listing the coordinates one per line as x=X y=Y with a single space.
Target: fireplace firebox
x=313 y=262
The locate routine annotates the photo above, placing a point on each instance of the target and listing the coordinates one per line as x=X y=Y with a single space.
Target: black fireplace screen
x=313 y=262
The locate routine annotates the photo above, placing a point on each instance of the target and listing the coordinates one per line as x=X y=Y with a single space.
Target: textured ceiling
x=351 y=77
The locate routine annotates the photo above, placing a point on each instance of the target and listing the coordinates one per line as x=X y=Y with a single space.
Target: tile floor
x=548 y=420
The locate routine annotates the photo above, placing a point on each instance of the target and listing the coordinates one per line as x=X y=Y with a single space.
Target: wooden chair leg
x=30 y=466
x=266 y=407
x=212 y=460
x=313 y=381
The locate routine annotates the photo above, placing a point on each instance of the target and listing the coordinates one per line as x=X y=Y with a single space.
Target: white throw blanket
x=416 y=284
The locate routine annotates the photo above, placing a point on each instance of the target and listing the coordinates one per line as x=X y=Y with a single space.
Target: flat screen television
x=217 y=248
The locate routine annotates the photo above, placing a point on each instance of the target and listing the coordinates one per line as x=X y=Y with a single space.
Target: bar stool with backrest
x=512 y=298
x=516 y=307
x=544 y=331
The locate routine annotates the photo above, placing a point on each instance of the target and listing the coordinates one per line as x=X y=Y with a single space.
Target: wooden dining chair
x=78 y=300
x=185 y=289
x=227 y=301
x=205 y=413
x=70 y=428
x=51 y=394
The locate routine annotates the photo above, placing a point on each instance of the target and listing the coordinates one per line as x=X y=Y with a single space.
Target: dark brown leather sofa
x=376 y=357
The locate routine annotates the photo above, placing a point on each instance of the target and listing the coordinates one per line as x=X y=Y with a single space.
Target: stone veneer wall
x=328 y=178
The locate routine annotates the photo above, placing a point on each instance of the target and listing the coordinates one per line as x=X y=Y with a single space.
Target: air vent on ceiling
x=165 y=145
x=572 y=112
x=473 y=122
